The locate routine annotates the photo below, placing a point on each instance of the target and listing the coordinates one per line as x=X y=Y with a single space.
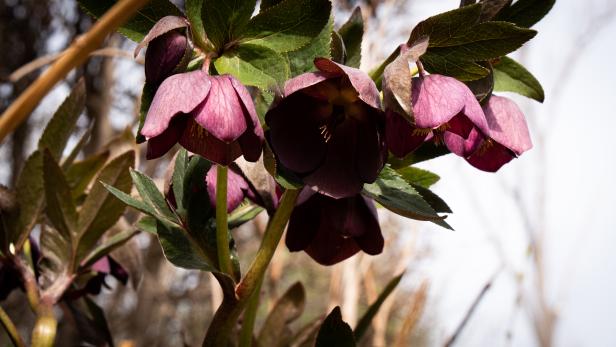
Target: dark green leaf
x=352 y=33
x=275 y=330
x=526 y=13
x=445 y=25
x=335 y=332
x=137 y=27
x=482 y=88
x=30 y=193
x=301 y=60
x=438 y=204
x=491 y=8
x=80 y=174
x=60 y=207
x=398 y=196
x=511 y=76
x=289 y=25
x=90 y=318
x=107 y=247
x=147 y=95
x=223 y=20
x=337 y=48
x=101 y=210
x=427 y=151
x=179 y=175
x=132 y=202
x=150 y=194
x=462 y=70
x=181 y=250
x=193 y=13
x=243 y=214
x=418 y=176
x=70 y=158
x=254 y=65
x=366 y=319
x=61 y=125
x=147 y=224
x=269 y=3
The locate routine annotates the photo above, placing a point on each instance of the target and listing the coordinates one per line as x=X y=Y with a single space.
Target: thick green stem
x=45 y=327
x=250 y=315
x=11 y=329
x=222 y=227
x=229 y=311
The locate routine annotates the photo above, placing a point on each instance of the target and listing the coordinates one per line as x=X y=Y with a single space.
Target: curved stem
x=72 y=57
x=11 y=329
x=222 y=226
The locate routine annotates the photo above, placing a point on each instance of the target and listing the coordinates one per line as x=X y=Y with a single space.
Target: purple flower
x=212 y=116
x=506 y=138
x=441 y=105
x=238 y=187
x=328 y=129
x=332 y=230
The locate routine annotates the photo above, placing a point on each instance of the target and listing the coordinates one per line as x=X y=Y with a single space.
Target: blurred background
x=531 y=262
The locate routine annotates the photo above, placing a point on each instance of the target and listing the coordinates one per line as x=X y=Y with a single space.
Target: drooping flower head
x=212 y=116
x=331 y=230
x=506 y=138
x=328 y=129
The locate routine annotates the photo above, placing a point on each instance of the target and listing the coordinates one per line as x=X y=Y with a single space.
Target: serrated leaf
x=107 y=247
x=335 y=332
x=526 y=13
x=491 y=8
x=373 y=309
x=101 y=210
x=438 y=204
x=178 y=179
x=511 y=76
x=223 y=20
x=398 y=196
x=83 y=139
x=59 y=129
x=138 y=26
x=289 y=25
x=30 y=194
x=461 y=70
x=193 y=13
x=254 y=65
x=352 y=33
x=275 y=330
x=80 y=174
x=147 y=95
x=301 y=60
x=61 y=209
x=131 y=201
x=418 y=176
x=181 y=251
x=150 y=194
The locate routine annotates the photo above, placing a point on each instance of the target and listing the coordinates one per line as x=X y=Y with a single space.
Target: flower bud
x=163 y=55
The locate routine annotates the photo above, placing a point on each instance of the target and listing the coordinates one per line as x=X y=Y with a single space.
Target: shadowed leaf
x=366 y=319
x=335 y=332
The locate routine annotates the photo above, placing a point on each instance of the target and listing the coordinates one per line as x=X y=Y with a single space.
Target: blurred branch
x=74 y=56
x=11 y=329
x=417 y=307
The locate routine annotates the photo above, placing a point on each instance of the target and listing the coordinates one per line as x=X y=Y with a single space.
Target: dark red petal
x=294 y=132
x=197 y=140
x=161 y=144
x=303 y=224
x=303 y=81
x=460 y=125
x=400 y=135
x=463 y=147
x=491 y=157
x=164 y=54
x=236 y=187
x=365 y=219
x=164 y=25
x=370 y=159
x=362 y=83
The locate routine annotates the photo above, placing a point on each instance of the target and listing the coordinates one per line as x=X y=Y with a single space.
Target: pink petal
x=303 y=81
x=161 y=27
x=507 y=124
x=236 y=187
x=180 y=93
x=364 y=85
x=222 y=114
x=246 y=99
x=399 y=134
x=463 y=147
x=436 y=99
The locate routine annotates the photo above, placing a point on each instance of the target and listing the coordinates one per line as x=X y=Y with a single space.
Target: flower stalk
x=222 y=227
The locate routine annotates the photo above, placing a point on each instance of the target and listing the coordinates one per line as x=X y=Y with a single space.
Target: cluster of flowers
x=329 y=129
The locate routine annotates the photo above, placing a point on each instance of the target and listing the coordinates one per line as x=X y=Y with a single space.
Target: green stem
x=229 y=311
x=250 y=315
x=11 y=329
x=222 y=227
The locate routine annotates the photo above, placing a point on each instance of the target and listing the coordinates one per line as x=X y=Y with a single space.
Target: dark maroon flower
x=440 y=105
x=238 y=187
x=212 y=116
x=507 y=136
x=332 y=230
x=10 y=279
x=328 y=129
x=102 y=268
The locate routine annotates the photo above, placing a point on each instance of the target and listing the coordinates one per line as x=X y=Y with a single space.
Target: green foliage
x=80 y=174
x=136 y=28
x=224 y=20
x=427 y=151
x=482 y=88
x=526 y=13
x=335 y=332
x=352 y=33
x=108 y=246
x=275 y=330
x=193 y=13
x=301 y=60
x=366 y=319
x=418 y=176
x=147 y=95
x=511 y=76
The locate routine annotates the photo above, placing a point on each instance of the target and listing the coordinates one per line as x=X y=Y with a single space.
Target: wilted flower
x=332 y=230
x=238 y=187
x=212 y=116
x=440 y=105
x=507 y=136
x=328 y=129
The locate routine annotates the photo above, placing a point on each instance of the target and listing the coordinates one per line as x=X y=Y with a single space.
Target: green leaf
x=61 y=210
x=511 y=76
x=61 y=125
x=180 y=250
x=116 y=241
x=223 y=20
x=131 y=201
x=193 y=13
x=147 y=95
x=461 y=70
x=90 y=318
x=289 y=307
x=178 y=179
x=243 y=214
x=138 y=26
x=482 y=88
x=438 y=204
x=398 y=196
x=427 y=151
x=352 y=33
x=418 y=176
x=366 y=319
x=254 y=65
x=335 y=332
x=269 y=3
x=289 y=25
x=150 y=194
x=70 y=158
x=526 y=13
x=101 y=210
x=147 y=224
x=80 y=174
x=301 y=60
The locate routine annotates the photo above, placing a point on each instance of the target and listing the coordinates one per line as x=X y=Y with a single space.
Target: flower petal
x=222 y=114
x=303 y=223
x=369 y=151
x=164 y=54
x=366 y=220
x=400 y=135
x=364 y=85
x=236 y=187
x=507 y=124
x=492 y=158
x=303 y=81
x=294 y=132
x=161 y=144
x=197 y=140
x=164 y=25
x=436 y=99
x=180 y=93
x=463 y=147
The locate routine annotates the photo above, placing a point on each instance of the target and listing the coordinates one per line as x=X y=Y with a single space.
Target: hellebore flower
x=103 y=267
x=166 y=51
x=332 y=230
x=238 y=187
x=440 y=105
x=328 y=129
x=212 y=116
x=507 y=136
